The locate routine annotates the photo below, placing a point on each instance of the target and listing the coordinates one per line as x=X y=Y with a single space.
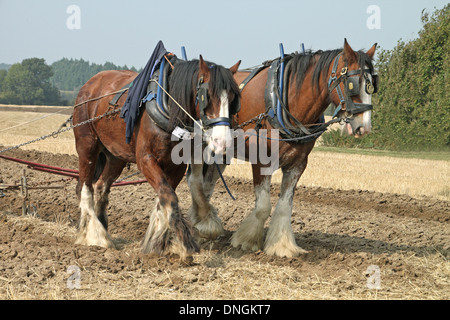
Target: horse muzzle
x=359 y=125
x=220 y=139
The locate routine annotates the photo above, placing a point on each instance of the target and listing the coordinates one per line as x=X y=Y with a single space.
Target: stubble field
x=383 y=219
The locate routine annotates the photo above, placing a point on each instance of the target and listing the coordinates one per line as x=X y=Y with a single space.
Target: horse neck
x=308 y=103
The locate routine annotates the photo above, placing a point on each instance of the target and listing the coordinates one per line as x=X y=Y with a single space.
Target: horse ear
x=203 y=67
x=371 y=51
x=348 y=52
x=235 y=68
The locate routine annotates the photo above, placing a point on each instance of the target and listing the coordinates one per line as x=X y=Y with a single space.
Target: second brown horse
x=343 y=77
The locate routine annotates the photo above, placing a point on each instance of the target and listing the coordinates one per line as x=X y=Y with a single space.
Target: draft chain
x=55 y=133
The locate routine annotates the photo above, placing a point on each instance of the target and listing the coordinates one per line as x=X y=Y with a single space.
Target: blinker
x=353 y=86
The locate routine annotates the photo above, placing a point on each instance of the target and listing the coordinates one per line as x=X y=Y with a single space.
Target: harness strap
x=250 y=77
x=334 y=83
x=298 y=123
x=220 y=121
x=119 y=94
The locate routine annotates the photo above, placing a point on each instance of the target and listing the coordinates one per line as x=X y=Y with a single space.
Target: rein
x=316 y=133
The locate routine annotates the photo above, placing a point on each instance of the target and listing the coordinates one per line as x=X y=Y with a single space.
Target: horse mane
x=182 y=86
x=300 y=63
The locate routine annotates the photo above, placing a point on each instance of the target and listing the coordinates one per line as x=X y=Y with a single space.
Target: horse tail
x=101 y=162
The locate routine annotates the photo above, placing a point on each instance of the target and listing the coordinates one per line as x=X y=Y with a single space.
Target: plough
x=24 y=186
x=72 y=173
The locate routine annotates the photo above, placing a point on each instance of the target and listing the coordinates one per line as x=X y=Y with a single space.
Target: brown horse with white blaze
x=103 y=151
x=343 y=77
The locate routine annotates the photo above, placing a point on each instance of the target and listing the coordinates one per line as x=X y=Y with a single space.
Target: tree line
x=35 y=82
x=71 y=74
x=412 y=106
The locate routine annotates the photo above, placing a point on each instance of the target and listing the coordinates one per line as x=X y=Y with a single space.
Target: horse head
x=351 y=85
x=218 y=99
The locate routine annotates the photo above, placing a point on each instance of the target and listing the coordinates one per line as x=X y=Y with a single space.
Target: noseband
x=351 y=87
x=202 y=100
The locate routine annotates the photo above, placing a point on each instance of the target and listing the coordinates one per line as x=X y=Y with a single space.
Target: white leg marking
x=250 y=234
x=155 y=237
x=203 y=215
x=92 y=232
x=280 y=240
x=157 y=226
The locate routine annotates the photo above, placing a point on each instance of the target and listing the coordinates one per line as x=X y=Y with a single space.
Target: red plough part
x=74 y=174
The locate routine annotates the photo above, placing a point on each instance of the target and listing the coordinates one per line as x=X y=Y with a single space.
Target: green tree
x=28 y=83
x=414 y=103
x=412 y=107
x=3 y=74
x=71 y=74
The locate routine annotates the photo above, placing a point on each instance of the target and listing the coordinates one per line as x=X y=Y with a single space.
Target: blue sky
x=126 y=32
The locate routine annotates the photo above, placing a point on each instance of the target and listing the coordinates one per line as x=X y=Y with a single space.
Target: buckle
x=331 y=79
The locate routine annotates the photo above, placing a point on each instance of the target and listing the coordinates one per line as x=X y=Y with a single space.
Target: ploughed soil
x=354 y=238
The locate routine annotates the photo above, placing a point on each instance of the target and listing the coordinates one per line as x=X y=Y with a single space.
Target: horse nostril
x=359 y=131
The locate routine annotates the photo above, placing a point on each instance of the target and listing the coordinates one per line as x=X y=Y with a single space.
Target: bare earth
x=349 y=235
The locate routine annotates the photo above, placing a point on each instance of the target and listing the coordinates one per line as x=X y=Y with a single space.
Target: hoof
x=210 y=229
x=95 y=234
x=289 y=250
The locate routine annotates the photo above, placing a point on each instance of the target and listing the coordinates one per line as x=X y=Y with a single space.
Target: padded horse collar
x=156 y=100
x=298 y=132
x=272 y=96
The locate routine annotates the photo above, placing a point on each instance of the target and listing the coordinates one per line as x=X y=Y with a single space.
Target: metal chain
x=108 y=113
x=48 y=182
x=129 y=176
x=54 y=133
x=259 y=117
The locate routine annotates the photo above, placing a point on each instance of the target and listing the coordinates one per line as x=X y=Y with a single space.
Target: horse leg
x=91 y=231
x=112 y=169
x=168 y=230
x=203 y=215
x=250 y=233
x=280 y=240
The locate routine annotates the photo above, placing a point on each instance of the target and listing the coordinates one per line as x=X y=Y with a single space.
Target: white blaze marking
x=221 y=134
x=367 y=99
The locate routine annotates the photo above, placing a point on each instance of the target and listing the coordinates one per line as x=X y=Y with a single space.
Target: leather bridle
x=351 y=87
x=202 y=100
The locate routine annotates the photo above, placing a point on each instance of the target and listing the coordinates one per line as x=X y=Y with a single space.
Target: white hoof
x=249 y=236
x=284 y=247
x=210 y=228
x=95 y=234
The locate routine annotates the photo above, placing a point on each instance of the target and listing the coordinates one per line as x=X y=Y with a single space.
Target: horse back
x=103 y=83
x=98 y=93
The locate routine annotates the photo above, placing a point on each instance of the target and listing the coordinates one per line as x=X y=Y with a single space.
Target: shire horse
x=315 y=79
x=103 y=151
